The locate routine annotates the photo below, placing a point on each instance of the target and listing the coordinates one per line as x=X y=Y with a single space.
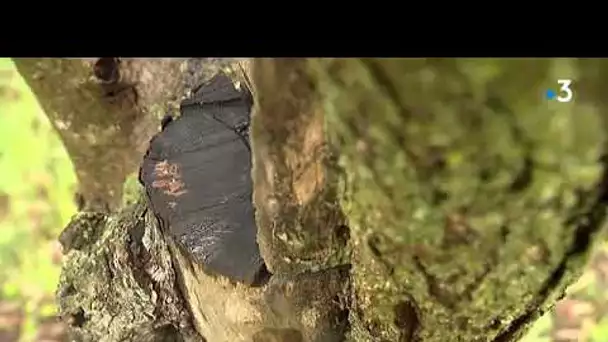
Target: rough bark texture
x=118 y=283
x=107 y=109
x=300 y=222
x=474 y=201
x=471 y=203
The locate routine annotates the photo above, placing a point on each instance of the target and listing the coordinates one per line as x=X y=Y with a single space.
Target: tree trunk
x=397 y=200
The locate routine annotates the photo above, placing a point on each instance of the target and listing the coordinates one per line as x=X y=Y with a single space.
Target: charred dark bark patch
x=196 y=175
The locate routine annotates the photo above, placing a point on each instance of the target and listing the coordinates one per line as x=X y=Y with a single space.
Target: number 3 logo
x=565 y=93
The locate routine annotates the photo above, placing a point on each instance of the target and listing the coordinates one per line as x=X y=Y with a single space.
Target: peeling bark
x=300 y=222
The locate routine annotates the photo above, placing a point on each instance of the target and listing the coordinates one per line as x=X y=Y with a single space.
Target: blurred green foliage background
x=37 y=184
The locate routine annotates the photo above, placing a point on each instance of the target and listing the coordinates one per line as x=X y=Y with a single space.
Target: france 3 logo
x=564 y=93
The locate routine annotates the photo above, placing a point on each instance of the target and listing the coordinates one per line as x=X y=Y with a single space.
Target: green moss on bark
x=118 y=282
x=473 y=197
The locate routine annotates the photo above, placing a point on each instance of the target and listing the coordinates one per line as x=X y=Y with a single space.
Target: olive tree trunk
x=427 y=200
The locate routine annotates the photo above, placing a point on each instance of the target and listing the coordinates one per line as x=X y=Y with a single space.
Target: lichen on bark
x=118 y=283
x=474 y=200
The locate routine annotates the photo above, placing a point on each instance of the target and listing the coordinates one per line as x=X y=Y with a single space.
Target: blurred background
x=37 y=185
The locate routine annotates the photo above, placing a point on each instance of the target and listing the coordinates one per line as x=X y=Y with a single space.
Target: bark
x=471 y=204
x=106 y=110
x=397 y=200
x=118 y=283
x=300 y=222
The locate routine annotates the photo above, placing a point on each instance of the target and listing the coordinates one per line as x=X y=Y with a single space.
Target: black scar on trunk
x=197 y=175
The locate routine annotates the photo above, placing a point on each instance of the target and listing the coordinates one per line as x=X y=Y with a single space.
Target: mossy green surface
x=118 y=281
x=472 y=194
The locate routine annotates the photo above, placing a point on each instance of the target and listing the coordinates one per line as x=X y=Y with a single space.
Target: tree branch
x=107 y=109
